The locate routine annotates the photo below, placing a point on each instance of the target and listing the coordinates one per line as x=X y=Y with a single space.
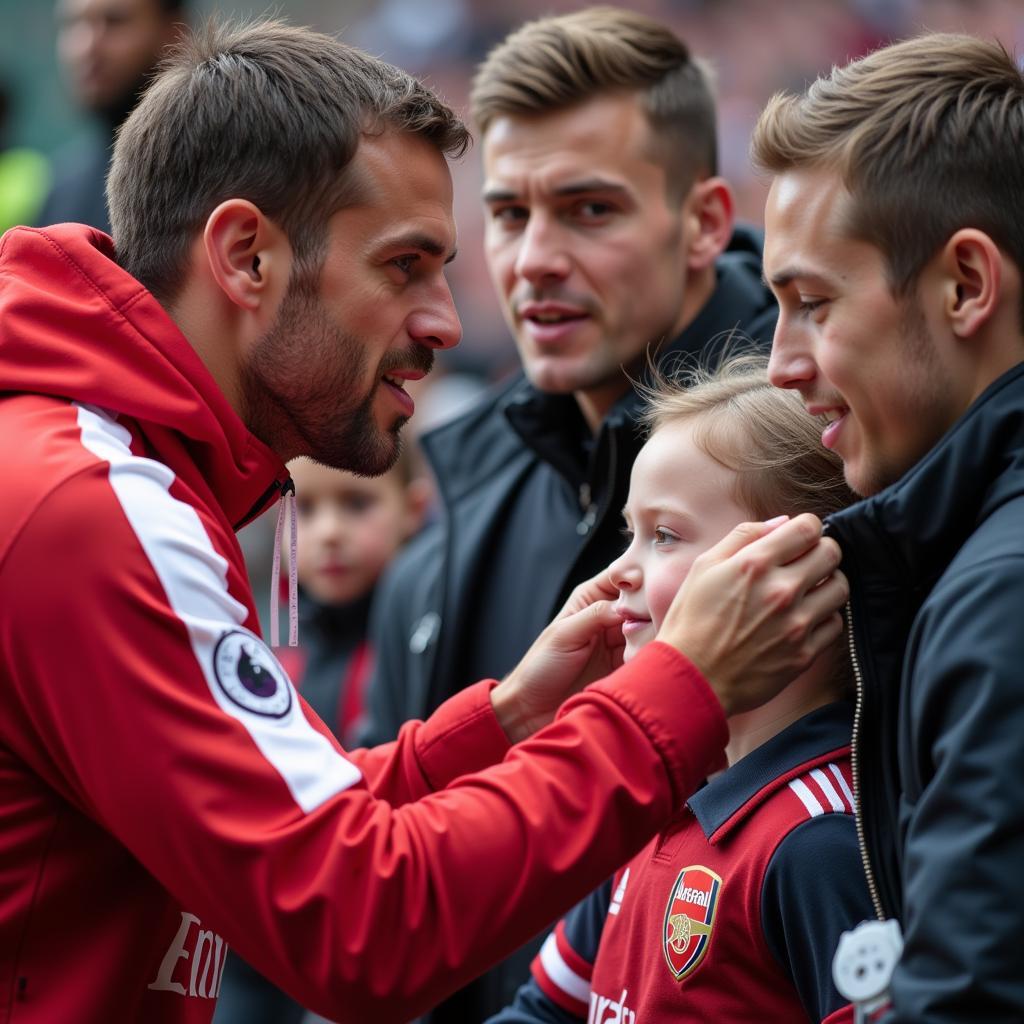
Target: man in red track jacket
x=282 y=215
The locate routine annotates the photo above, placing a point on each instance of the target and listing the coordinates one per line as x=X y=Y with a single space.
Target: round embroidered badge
x=250 y=676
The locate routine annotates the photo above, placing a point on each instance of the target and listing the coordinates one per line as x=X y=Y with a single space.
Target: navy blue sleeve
x=814 y=889
x=583 y=926
x=585 y=922
x=962 y=805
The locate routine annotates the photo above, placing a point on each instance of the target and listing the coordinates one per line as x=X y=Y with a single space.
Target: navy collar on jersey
x=729 y=797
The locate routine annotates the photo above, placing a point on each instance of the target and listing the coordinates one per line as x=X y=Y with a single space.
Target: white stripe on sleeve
x=560 y=973
x=194 y=577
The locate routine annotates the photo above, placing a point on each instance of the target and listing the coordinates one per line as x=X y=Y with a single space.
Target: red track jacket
x=163 y=789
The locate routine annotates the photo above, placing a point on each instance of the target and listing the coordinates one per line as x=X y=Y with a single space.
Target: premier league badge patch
x=689 y=919
x=250 y=676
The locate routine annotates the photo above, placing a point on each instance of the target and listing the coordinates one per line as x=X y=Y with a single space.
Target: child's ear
x=419 y=494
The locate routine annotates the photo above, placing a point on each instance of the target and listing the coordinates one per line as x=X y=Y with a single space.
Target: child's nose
x=624 y=573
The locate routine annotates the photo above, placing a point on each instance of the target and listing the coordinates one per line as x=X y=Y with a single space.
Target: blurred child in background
x=350 y=527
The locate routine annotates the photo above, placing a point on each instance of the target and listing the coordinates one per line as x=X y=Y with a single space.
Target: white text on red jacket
x=200 y=954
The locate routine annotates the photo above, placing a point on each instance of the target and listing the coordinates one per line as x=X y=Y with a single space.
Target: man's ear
x=712 y=212
x=248 y=255
x=972 y=280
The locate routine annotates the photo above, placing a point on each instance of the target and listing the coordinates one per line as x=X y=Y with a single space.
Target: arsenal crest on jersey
x=689 y=919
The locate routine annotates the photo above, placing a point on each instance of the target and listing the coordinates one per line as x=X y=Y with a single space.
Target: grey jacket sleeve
x=404 y=625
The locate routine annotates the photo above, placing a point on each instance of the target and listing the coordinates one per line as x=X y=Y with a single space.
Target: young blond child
x=734 y=911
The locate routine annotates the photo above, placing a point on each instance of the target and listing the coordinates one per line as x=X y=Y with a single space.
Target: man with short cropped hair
x=895 y=246
x=282 y=217
x=610 y=242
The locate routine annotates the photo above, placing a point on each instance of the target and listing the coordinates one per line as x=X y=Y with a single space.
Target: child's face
x=349 y=529
x=680 y=504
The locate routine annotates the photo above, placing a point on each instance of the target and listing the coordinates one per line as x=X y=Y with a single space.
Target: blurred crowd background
x=755 y=47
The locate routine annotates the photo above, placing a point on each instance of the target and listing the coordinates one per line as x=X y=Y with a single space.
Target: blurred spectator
x=24 y=175
x=108 y=49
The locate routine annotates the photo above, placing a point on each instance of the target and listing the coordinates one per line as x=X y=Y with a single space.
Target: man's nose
x=543 y=253
x=790 y=364
x=437 y=324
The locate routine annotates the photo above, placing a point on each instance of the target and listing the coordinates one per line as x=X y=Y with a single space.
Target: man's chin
x=370 y=453
x=865 y=479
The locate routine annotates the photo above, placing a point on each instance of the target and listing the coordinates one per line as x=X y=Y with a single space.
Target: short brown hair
x=760 y=432
x=262 y=111
x=557 y=62
x=927 y=136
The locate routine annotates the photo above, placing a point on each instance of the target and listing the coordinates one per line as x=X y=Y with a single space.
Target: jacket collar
x=728 y=799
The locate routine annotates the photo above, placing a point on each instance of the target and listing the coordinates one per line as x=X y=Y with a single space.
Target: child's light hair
x=760 y=432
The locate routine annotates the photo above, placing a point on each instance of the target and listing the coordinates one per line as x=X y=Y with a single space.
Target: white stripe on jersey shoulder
x=831 y=785
x=835 y=801
x=194 y=577
x=843 y=784
x=560 y=973
x=807 y=798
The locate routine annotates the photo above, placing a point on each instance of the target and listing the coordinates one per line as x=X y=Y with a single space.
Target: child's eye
x=358 y=503
x=664 y=536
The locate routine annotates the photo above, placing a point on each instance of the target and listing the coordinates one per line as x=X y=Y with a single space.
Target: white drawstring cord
x=286 y=509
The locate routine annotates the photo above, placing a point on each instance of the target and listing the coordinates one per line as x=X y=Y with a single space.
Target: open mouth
x=550 y=319
x=395 y=383
x=554 y=318
x=834 y=420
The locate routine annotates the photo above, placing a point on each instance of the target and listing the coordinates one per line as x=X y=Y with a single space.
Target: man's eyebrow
x=499 y=195
x=421 y=241
x=787 y=275
x=574 y=188
x=571 y=188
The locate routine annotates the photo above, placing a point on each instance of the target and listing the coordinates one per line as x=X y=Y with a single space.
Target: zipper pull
x=589 y=508
x=864 y=963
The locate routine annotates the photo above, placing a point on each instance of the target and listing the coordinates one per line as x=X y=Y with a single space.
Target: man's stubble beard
x=300 y=392
x=931 y=404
